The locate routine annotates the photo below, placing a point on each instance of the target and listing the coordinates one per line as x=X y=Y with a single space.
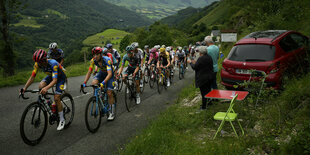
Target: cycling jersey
x=154 y=56
x=58 y=55
x=53 y=68
x=133 y=61
x=164 y=58
x=116 y=54
x=140 y=52
x=106 y=64
x=147 y=55
x=54 y=71
x=180 y=54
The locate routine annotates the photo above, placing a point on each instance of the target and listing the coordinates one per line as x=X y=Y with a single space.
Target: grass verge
x=22 y=77
x=279 y=125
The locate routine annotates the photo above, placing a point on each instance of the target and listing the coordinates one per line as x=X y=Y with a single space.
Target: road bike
x=33 y=123
x=97 y=107
x=181 y=70
x=130 y=93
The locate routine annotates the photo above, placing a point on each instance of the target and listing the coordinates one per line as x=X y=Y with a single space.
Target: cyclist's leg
x=59 y=89
x=48 y=79
x=137 y=80
x=99 y=77
x=110 y=91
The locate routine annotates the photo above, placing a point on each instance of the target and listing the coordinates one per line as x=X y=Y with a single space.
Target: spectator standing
x=213 y=51
x=204 y=76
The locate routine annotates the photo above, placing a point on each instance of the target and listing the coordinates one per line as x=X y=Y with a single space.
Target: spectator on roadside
x=204 y=76
x=213 y=51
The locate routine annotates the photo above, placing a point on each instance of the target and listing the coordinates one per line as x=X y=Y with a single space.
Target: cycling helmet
x=39 y=55
x=161 y=50
x=52 y=46
x=198 y=43
x=157 y=46
x=129 y=49
x=163 y=46
x=185 y=47
x=96 y=50
x=104 y=50
x=146 y=46
x=168 y=49
x=109 y=46
x=180 y=48
x=135 y=45
x=153 y=50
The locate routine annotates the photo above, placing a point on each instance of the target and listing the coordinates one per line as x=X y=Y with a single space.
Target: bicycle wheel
x=33 y=123
x=146 y=77
x=130 y=98
x=68 y=108
x=160 y=83
x=93 y=115
x=152 y=79
x=120 y=83
x=180 y=72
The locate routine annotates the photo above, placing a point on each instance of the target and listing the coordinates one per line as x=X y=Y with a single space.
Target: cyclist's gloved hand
x=102 y=84
x=83 y=85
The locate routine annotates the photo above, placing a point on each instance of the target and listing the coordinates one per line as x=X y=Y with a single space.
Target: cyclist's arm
x=32 y=77
x=51 y=84
x=29 y=82
x=168 y=63
x=61 y=62
x=136 y=70
x=54 y=76
x=90 y=70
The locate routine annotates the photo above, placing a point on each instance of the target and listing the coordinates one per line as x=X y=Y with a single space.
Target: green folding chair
x=229 y=116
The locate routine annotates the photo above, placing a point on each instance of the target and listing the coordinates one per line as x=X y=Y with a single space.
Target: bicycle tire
x=146 y=77
x=160 y=84
x=130 y=99
x=97 y=115
x=152 y=80
x=24 y=136
x=180 y=72
x=69 y=108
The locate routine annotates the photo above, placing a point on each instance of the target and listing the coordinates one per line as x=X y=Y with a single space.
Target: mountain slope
x=65 y=22
x=157 y=9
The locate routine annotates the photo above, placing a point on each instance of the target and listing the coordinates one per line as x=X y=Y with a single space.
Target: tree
x=7 y=57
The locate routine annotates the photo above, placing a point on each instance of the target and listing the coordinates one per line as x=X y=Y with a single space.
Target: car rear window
x=252 y=52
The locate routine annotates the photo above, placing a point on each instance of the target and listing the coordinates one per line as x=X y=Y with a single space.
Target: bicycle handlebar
x=94 y=86
x=33 y=91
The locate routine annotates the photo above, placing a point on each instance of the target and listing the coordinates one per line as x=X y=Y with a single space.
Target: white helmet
x=157 y=46
x=135 y=45
x=180 y=48
x=168 y=49
x=52 y=46
x=163 y=46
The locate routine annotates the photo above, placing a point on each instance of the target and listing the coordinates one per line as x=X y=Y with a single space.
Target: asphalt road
x=77 y=139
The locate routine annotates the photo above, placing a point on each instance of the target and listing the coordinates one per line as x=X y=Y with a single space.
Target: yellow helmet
x=161 y=50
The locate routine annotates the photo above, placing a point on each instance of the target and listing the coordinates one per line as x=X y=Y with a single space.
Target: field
x=112 y=35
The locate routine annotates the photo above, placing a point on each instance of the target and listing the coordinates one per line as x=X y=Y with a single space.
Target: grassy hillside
x=157 y=9
x=100 y=39
x=65 y=22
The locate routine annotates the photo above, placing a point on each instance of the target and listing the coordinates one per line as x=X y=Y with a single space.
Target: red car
x=271 y=52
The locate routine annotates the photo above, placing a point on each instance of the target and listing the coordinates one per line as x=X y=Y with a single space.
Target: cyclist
x=134 y=61
x=138 y=51
x=153 y=58
x=187 y=55
x=55 y=53
x=180 y=55
x=147 y=53
x=164 y=62
x=115 y=54
x=55 y=75
x=104 y=76
x=171 y=58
